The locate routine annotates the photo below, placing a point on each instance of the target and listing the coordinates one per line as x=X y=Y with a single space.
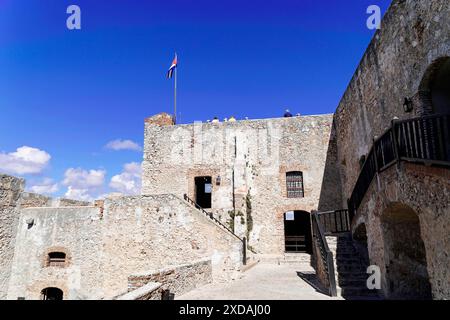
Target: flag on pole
x=172 y=67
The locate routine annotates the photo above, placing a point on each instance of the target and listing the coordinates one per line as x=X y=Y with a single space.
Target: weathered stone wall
x=34 y=200
x=28 y=199
x=251 y=157
x=76 y=230
x=399 y=63
x=149 y=291
x=426 y=191
x=177 y=279
x=152 y=232
x=63 y=202
x=132 y=235
x=413 y=35
x=10 y=189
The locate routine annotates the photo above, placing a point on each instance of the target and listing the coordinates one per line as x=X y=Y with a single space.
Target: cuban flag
x=172 y=67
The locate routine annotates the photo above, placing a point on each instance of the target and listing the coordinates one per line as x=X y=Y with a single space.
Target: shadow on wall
x=331 y=191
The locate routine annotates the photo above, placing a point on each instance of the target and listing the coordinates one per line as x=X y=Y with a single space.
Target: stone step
x=348 y=261
x=352 y=274
x=350 y=271
x=347 y=255
x=288 y=258
x=352 y=282
x=357 y=291
x=296 y=257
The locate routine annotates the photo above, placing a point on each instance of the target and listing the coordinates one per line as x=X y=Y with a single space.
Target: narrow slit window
x=294 y=184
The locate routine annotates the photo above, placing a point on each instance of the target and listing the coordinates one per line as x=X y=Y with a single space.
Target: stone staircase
x=209 y=215
x=350 y=269
x=287 y=258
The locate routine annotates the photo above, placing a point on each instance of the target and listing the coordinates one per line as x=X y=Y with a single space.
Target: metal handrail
x=210 y=215
x=325 y=254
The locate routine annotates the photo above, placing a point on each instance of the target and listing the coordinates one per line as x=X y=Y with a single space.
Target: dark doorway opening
x=52 y=294
x=434 y=90
x=440 y=89
x=203 y=192
x=405 y=255
x=297 y=231
x=360 y=243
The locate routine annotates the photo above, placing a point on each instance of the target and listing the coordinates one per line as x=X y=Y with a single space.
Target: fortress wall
x=35 y=200
x=413 y=35
x=76 y=231
x=425 y=190
x=251 y=157
x=133 y=235
x=152 y=232
x=398 y=63
x=10 y=189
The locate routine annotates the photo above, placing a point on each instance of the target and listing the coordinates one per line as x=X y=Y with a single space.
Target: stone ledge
x=146 y=292
x=170 y=269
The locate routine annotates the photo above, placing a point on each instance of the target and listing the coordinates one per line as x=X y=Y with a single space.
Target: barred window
x=56 y=259
x=294 y=184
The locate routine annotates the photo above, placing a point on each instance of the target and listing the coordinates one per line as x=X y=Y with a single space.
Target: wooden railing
x=424 y=140
x=334 y=222
x=295 y=243
x=322 y=254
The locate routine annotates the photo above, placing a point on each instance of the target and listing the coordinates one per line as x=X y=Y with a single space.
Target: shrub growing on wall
x=248 y=203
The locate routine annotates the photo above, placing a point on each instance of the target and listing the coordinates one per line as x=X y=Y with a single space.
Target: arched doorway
x=405 y=256
x=360 y=242
x=297 y=231
x=434 y=90
x=51 y=293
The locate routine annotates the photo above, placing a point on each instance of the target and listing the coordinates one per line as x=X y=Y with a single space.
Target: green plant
x=248 y=203
x=232 y=214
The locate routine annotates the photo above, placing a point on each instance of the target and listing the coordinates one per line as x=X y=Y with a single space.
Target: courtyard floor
x=265 y=281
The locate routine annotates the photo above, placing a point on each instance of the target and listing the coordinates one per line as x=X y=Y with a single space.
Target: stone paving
x=265 y=281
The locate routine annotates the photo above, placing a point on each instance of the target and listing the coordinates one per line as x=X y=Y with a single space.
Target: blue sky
x=65 y=94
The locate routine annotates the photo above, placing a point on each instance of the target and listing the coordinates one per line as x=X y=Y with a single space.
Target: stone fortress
x=367 y=185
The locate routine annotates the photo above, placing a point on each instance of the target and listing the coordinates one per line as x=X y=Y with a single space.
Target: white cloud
x=129 y=181
x=83 y=184
x=123 y=145
x=80 y=178
x=46 y=186
x=26 y=160
x=78 y=194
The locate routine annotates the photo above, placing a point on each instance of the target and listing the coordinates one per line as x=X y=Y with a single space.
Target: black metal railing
x=334 y=222
x=325 y=256
x=424 y=140
x=210 y=215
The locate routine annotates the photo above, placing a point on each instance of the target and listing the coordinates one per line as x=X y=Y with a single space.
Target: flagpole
x=175 y=97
